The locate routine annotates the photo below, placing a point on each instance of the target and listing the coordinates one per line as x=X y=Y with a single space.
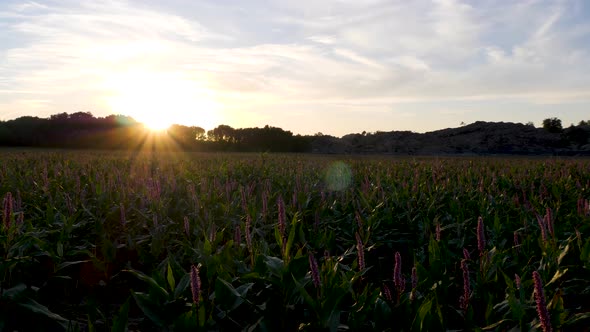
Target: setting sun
x=159 y=100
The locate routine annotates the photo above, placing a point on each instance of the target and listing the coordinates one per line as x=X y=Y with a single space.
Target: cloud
x=312 y=55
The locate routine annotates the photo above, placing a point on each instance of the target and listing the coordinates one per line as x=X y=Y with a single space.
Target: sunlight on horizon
x=161 y=99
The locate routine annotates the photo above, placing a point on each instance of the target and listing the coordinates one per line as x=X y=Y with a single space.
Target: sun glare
x=159 y=100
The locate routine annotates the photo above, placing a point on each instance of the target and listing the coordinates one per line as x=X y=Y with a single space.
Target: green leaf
x=120 y=321
x=14 y=292
x=60 y=249
x=226 y=295
x=495 y=325
x=274 y=264
x=579 y=317
x=37 y=308
x=562 y=254
x=154 y=286
x=585 y=254
x=182 y=285
x=291 y=238
x=305 y=294
x=433 y=251
x=202 y=316
x=382 y=313
x=170 y=278
x=149 y=308
x=66 y=264
x=422 y=314
x=517 y=309
x=278 y=237
x=207 y=248
x=91 y=327
x=556 y=276
x=243 y=289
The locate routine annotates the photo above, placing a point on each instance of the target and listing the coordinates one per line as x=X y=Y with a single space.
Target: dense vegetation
x=107 y=241
x=82 y=130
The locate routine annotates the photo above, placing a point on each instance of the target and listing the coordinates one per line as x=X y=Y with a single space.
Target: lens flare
x=338 y=176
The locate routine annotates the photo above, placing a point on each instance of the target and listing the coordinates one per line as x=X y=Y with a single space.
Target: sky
x=334 y=67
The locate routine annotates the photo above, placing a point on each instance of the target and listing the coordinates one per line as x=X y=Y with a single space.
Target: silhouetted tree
x=552 y=125
x=223 y=133
x=577 y=135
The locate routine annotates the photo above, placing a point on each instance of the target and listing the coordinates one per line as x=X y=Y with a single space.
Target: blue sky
x=335 y=67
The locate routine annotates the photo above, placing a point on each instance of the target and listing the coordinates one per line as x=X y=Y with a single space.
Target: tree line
x=82 y=130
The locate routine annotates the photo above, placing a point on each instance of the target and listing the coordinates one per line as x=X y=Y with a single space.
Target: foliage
x=552 y=125
x=189 y=241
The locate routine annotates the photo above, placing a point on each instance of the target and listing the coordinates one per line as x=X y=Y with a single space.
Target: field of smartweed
x=110 y=241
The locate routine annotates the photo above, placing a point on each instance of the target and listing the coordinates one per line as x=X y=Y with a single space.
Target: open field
x=108 y=241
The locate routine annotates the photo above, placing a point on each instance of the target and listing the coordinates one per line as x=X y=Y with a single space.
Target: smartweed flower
x=541 y=222
x=282 y=221
x=517 y=281
x=212 y=232
x=18 y=201
x=264 y=204
x=540 y=301
x=548 y=221
x=414 y=277
x=583 y=207
x=69 y=204
x=237 y=235
x=244 y=199
x=466 y=255
x=282 y=215
x=122 y=217
x=7 y=211
x=294 y=198
x=316 y=223
x=516 y=241
x=195 y=284
x=248 y=233
x=481 y=239
x=437 y=230
x=187 y=227
x=360 y=251
x=20 y=219
x=464 y=300
x=359 y=221
x=414 y=280
x=315 y=272
x=387 y=293
x=398 y=279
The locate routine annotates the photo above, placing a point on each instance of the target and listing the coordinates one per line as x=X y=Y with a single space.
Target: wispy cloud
x=313 y=56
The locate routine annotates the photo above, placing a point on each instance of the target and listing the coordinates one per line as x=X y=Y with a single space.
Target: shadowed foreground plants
x=175 y=242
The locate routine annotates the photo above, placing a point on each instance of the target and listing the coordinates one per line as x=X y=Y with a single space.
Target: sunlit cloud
x=348 y=66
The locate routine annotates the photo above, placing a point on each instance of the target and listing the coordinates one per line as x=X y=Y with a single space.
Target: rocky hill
x=479 y=138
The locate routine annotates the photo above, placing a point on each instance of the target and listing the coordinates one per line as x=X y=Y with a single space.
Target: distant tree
x=530 y=124
x=59 y=117
x=552 y=125
x=578 y=135
x=584 y=123
x=81 y=116
x=223 y=133
x=200 y=133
